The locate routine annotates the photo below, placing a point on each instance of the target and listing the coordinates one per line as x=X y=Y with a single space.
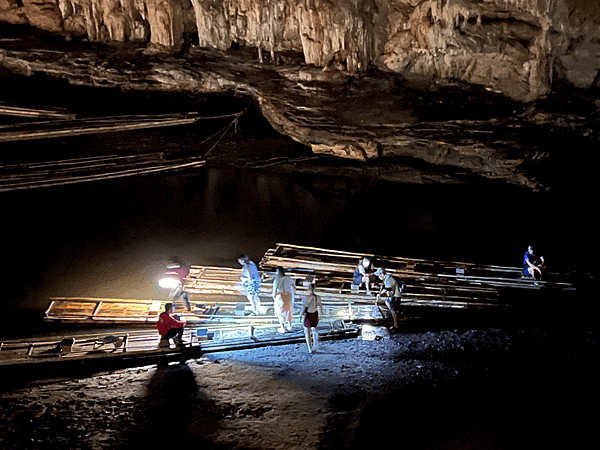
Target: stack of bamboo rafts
x=76 y=170
x=35 y=174
x=429 y=283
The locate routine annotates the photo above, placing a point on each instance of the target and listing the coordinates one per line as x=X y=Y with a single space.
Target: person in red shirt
x=170 y=326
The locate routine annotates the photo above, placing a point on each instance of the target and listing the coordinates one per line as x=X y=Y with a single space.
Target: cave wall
x=516 y=47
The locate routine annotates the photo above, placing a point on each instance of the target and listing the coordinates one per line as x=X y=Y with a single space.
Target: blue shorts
x=394 y=303
x=252 y=287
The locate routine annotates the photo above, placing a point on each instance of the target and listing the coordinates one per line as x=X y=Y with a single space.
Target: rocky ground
x=527 y=386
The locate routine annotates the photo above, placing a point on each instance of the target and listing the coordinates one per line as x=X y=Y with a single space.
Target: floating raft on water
x=207 y=309
x=217 y=298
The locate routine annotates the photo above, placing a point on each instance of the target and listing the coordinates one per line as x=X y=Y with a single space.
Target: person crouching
x=170 y=326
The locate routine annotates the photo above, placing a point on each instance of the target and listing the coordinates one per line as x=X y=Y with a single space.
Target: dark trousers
x=174 y=332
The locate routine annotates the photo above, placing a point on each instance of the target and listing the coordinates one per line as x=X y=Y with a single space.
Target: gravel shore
x=520 y=387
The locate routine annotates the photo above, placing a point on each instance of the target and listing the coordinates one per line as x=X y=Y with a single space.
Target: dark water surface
x=113 y=238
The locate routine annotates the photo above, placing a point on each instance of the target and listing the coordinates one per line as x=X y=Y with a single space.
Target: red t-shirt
x=166 y=322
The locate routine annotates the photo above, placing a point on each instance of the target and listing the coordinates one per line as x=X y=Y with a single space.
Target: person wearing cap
x=364 y=274
x=170 y=326
x=251 y=282
x=392 y=291
x=533 y=264
x=284 y=293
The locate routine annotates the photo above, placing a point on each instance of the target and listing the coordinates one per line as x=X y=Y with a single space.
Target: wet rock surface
x=457 y=128
x=517 y=387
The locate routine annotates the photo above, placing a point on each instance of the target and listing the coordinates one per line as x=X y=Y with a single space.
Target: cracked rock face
x=351 y=78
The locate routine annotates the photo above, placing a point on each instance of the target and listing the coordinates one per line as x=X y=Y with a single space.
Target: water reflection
x=113 y=238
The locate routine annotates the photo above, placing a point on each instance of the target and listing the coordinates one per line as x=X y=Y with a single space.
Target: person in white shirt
x=310 y=318
x=284 y=293
x=391 y=290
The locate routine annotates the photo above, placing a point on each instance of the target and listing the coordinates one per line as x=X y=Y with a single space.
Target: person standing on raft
x=251 y=282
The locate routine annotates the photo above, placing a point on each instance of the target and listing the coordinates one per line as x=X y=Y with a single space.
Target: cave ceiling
x=499 y=89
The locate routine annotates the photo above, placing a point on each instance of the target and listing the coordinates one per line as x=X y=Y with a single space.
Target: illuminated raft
x=217 y=298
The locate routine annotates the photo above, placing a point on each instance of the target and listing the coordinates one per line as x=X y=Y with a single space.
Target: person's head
x=174 y=263
x=531 y=250
x=366 y=261
x=380 y=273
x=243 y=259
x=308 y=280
x=169 y=307
x=280 y=272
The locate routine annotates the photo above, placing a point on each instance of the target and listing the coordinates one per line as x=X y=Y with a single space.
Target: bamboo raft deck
x=207 y=309
x=71 y=126
x=217 y=297
x=133 y=347
x=411 y=270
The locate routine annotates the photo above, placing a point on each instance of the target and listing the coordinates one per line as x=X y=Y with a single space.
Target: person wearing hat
x=251 y=282
x=170 y=326
x=391 y=290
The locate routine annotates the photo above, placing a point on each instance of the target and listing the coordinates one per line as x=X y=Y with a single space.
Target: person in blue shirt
x=533 y=264
x=251 y=282
x=364 y=274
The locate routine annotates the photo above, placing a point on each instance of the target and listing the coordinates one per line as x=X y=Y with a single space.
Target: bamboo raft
x=218 y=298
x=58 y=173
x=79 y=127
x=102 y=167
x=19 y=111
x=71 y=356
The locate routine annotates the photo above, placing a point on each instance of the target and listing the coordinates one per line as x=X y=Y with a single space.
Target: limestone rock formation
x=515 y=47
x=313 y=63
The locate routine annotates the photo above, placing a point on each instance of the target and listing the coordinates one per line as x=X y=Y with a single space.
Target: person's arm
x=532 y=265
x=176 y=323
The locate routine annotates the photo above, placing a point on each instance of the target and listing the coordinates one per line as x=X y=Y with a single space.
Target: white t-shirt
x=311 y=302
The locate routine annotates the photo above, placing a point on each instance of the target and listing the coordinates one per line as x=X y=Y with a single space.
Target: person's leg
x=307 y=332
x=367 y=281
x=315 y=338
x=257 y=304
x=286 y=310
x=174 y=333
x=253 y=303
x=186 y=301
x=392 y=306
x=279 y=312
